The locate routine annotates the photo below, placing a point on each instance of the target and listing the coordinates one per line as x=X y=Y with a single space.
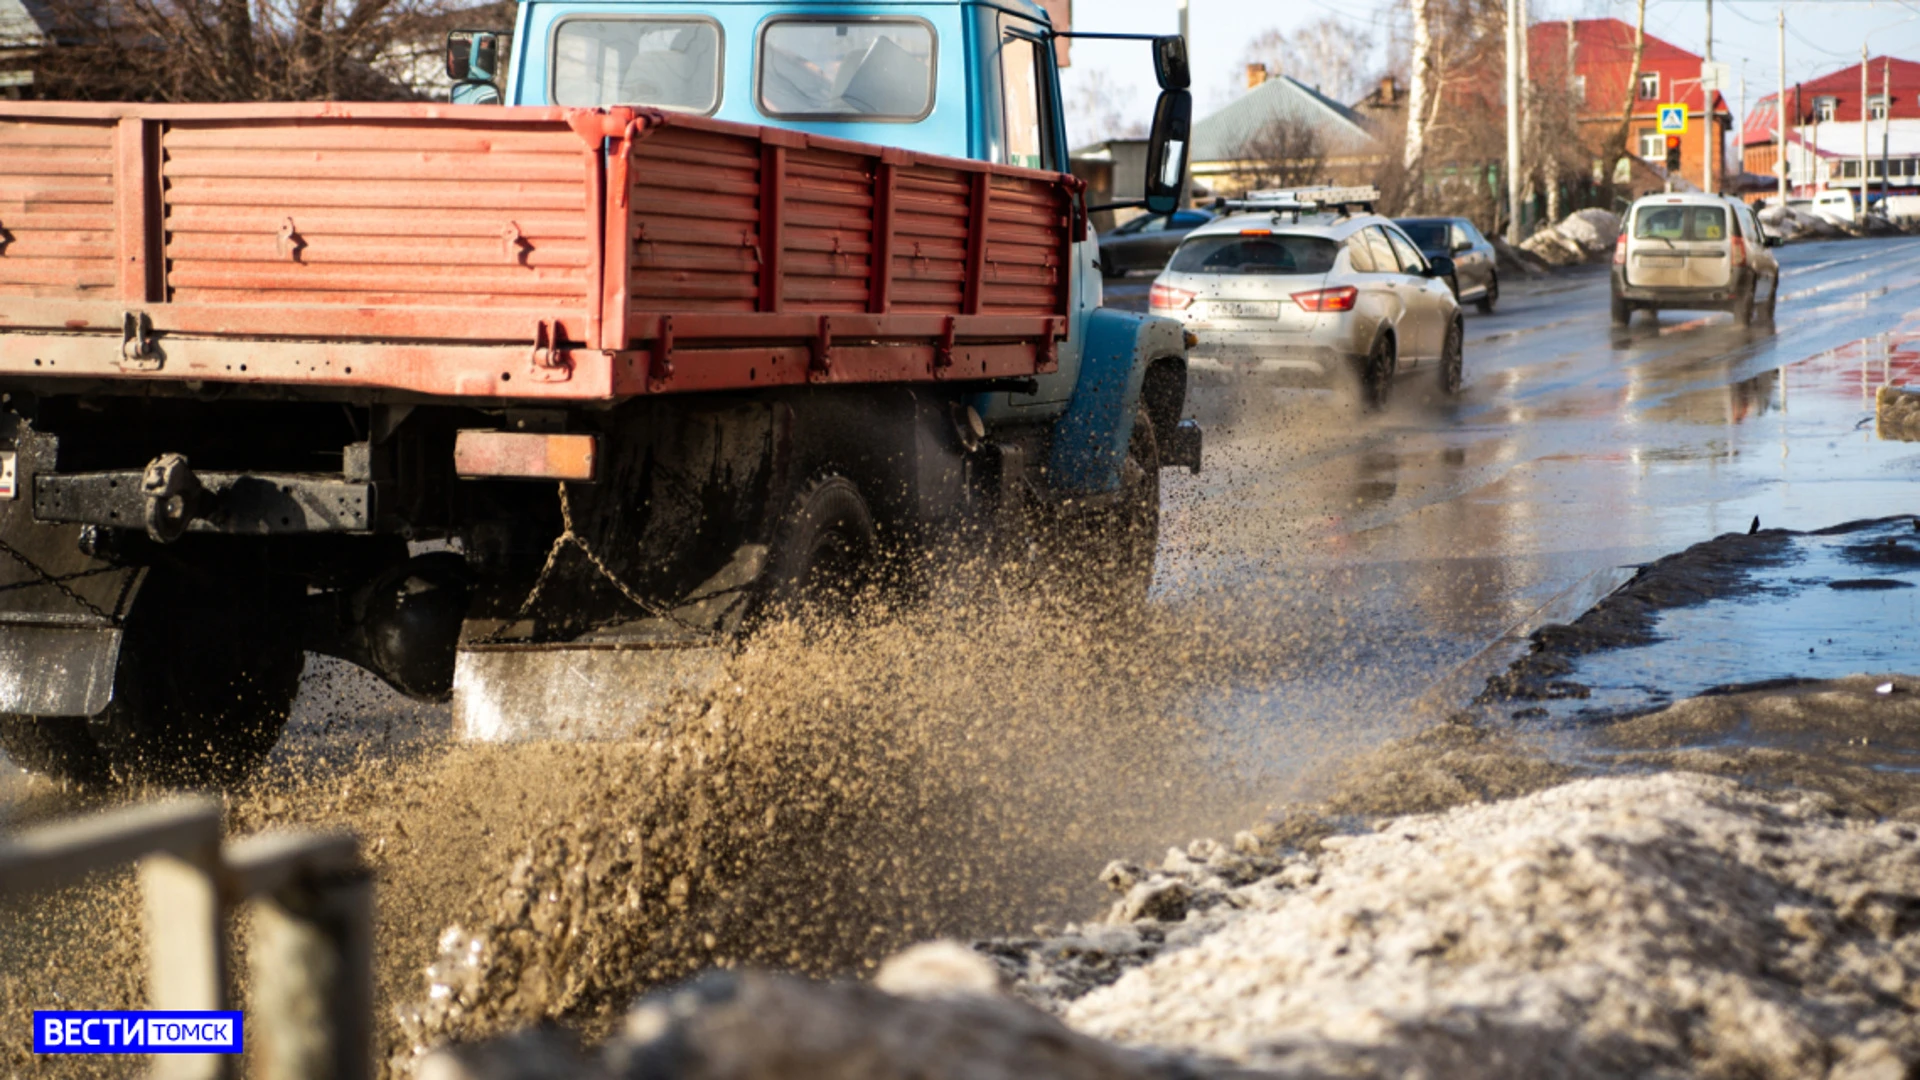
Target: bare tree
x=1100 y=108
x=1619 y=147
x=249 y=50
x=1285 y=152
x=1326 y=54
x=1420 y=85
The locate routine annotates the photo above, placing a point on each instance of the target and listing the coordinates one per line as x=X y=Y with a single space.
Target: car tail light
x=1737 y=251
x=1340 y=299
x=1166 y=296
x=1620 y=251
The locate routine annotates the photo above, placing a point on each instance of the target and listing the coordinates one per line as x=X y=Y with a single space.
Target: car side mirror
x=1463 y=245
x=1167 y=151
x=1170 y=63
x=1773 y=240
x=1440 y=267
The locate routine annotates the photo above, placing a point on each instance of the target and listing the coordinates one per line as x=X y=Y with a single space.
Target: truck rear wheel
x=1106 y=554
x=200 y=695
x=826 y=552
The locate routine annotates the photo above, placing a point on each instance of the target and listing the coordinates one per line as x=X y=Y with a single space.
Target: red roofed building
x=1824 y=137
x=1603 y=74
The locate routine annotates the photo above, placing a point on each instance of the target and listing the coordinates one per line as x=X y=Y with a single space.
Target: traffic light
x=1673 y=153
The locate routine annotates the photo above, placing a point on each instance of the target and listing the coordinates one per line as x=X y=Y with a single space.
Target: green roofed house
x=1283 y=132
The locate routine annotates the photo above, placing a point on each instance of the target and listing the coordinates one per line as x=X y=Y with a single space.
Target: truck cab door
x=1019 y=107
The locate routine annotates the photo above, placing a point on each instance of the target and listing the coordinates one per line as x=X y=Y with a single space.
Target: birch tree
x=1625 y=131
x=1419 y=88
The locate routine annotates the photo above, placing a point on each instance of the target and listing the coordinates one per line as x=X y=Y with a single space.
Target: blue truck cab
x=973 y=79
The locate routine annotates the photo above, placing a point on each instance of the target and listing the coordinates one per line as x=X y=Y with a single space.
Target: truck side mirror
x=1167 y=152
x=1170 y=62
x=473 y=58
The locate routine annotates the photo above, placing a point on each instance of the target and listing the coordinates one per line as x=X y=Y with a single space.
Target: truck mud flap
x=56 y=669
x=574 y=692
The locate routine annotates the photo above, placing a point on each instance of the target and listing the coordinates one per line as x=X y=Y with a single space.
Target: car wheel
x=1453 y=360
x=1773 y=299
x=1491 y=296
x=1376 y=373
x=1622 y=311
x=1743 y=305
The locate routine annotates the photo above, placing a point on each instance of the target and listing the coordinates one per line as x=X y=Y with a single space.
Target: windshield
x=1281 y=254
x=1431 y=236
x=670 y=63
x=1680 y=223
x=867 y=69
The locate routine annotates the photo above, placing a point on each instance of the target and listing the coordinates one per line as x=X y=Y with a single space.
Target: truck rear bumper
x=248 y=504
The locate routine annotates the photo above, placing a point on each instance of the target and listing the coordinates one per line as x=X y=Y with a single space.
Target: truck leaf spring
x=569 y=538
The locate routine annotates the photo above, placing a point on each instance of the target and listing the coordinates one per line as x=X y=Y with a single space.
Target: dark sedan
x=1475 y=279
x=1147 y=242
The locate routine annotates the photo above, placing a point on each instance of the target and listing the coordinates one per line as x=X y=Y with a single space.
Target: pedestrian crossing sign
x=1673 y=119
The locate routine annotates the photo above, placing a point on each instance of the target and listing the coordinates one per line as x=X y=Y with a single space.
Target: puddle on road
x=1835 y=605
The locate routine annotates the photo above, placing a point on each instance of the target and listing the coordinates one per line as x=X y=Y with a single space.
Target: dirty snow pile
x=1897 y=410
x=1796 y=224
x=1584 y=236
x=1655 y=925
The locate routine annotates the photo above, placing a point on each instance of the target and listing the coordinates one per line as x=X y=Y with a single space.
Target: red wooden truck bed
x=396 y=251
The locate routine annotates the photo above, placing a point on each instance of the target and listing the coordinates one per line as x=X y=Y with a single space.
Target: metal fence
x=310 y=954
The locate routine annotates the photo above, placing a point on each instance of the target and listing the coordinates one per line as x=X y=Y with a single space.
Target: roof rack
x=1303 y=200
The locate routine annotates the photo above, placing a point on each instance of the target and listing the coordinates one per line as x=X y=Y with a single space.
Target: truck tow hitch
x=173 y=497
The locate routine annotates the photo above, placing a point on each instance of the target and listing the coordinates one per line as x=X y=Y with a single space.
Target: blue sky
x=1822 y=35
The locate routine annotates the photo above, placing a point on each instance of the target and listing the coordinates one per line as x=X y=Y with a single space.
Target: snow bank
x=1583 y=236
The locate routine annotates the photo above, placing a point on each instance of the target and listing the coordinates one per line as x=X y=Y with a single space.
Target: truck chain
x=59 y=581
x=569 y=538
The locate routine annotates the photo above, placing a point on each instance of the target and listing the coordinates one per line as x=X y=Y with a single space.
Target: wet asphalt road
x=1387 y=557
x=1376 y=564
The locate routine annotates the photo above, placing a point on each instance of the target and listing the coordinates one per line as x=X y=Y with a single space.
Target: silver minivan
x=1694 y=251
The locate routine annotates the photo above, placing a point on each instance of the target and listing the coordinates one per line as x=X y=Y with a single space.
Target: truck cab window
x=847 y=69
x=1024 y=102
x=669 y=63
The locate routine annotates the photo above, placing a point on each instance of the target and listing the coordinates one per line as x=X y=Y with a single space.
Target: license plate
x=1663 y=261
x=7 y=483
x=1244 y=309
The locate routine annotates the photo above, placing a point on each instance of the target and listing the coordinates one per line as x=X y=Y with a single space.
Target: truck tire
x=826 y=552
x=1104 y=556
x=200 y=696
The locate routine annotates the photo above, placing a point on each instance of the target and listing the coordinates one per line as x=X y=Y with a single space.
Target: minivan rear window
x=1680 y=223
x=1276 y=254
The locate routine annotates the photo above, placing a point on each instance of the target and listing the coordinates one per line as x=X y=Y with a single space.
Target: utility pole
x=1740 y=132
x=1780 y=114
x=1866 y=146
x=1513 y=122
x=1709 y=129
x=1183 y=28
x=1886 y=129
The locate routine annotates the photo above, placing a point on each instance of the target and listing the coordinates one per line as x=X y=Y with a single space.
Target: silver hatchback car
x=1305 y=281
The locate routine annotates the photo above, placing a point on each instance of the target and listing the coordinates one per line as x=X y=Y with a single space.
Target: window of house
x=1825 y=108
x=1580 y=87
x=1649 y=86
x=1877 y=108
x=1653 y=145
x=1850 y=169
